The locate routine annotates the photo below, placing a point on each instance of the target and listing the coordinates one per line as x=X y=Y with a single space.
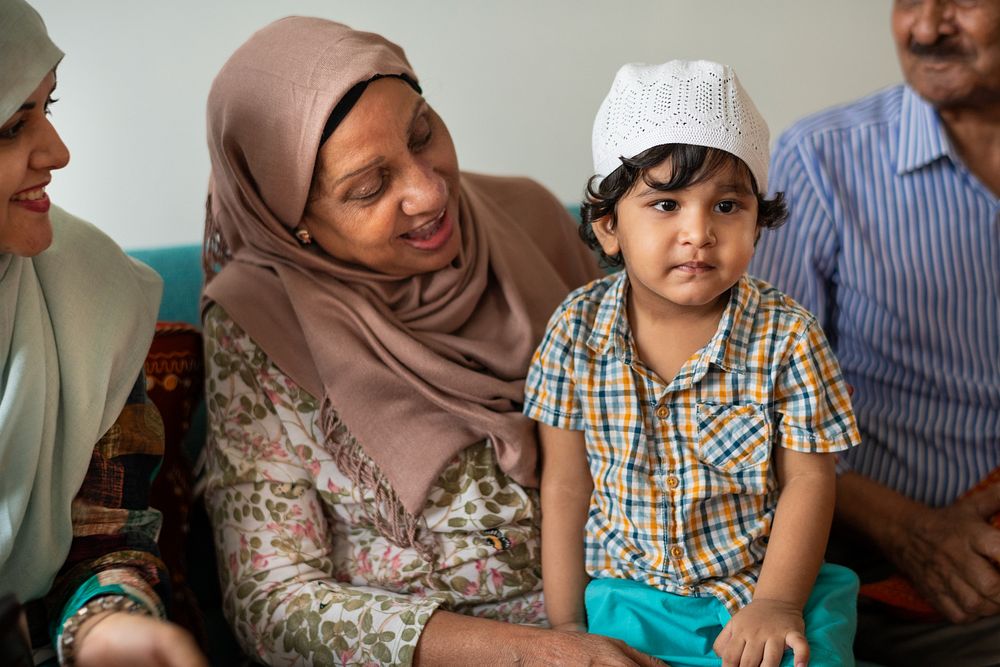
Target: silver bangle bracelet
x=99 y=605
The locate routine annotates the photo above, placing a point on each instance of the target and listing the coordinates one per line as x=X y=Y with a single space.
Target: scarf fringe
x=388 y=515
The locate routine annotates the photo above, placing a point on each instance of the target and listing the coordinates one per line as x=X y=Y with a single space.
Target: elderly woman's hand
x=121 y=639
x=568 y=647
x=456 y=639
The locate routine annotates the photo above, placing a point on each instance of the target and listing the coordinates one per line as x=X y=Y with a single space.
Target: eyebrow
x=360 y=170
x=420 y=106
x=734 y=186
x=737 y=187
x=28 y=106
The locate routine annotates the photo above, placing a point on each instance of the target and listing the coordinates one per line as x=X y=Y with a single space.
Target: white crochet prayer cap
x=679 y=102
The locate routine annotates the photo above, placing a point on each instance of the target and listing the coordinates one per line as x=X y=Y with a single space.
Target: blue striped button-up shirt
x=894 y=245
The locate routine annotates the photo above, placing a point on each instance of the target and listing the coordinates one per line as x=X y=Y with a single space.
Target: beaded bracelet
x=99 y=605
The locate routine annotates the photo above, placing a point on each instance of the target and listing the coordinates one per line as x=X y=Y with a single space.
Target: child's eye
x=48 y=103
x=665 y=205
x=727 y=206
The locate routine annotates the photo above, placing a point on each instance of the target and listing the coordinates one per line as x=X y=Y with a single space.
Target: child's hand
x=758 y=634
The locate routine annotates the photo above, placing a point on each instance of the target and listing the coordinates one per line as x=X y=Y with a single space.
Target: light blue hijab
x=76 y=322
x=26 y=52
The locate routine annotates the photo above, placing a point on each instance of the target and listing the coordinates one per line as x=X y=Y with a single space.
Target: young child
x=688 y=412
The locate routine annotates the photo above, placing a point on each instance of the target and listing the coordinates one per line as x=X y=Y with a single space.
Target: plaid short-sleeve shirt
x=684 y=490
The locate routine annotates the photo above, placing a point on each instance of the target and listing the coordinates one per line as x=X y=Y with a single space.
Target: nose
x=426 y=190
x=50 y=152
x=931 y=20
x=696 y=229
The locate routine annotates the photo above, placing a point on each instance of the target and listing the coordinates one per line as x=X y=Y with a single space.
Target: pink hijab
x=417 y=368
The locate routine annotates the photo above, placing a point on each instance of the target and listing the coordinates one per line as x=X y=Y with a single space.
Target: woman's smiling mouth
x=34 y=199
x=431 y=235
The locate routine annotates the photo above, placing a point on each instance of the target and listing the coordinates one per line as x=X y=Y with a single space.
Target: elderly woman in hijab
x=78 y=441
x=369 y=325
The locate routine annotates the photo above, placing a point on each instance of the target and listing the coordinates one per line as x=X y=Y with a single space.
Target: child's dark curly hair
x=691 y=165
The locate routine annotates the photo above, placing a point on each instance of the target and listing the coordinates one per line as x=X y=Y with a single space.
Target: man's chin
x=943 y=85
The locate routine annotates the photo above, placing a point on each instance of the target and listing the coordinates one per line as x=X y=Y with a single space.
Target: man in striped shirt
x=894 y=243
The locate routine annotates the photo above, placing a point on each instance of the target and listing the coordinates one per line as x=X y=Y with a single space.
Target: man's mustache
x=942 y=49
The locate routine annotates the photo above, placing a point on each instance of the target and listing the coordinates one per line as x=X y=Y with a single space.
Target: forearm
x=564 y=517
x=137 y=574
x=565 y=496
x=456 y=640
x=798 y=538
x=871 y=509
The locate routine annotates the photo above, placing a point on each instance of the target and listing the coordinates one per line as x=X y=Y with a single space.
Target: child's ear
x=605 y=231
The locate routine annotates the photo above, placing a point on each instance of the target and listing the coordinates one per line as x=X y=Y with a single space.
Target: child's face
x=684 y=248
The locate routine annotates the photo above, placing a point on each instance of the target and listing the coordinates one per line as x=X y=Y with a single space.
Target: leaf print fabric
x=307 y=580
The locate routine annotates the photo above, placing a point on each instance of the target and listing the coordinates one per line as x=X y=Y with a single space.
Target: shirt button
x=676 y=552
x=673 y=482
x=662 y=412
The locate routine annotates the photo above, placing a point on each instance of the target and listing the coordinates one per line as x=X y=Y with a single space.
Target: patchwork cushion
x=175 y=383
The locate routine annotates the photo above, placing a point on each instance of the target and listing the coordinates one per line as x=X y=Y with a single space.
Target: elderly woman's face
x=385 y=194
x=30 y=149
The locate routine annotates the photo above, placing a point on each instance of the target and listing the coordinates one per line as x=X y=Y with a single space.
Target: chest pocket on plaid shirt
x=734 y=438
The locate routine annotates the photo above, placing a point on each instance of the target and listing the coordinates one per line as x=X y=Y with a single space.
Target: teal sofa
x=180 y=267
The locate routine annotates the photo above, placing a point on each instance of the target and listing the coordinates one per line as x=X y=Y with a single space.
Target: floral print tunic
x=307 y=580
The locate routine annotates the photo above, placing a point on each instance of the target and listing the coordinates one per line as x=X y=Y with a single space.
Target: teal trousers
x=681 y=629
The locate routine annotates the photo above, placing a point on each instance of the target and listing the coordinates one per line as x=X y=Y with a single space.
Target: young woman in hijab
x=78 y=442
x=369 y=473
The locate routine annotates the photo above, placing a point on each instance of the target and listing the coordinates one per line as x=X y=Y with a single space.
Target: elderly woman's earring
x=303 y=235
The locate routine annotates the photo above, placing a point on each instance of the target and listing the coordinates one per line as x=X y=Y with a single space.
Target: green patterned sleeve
x=114 y=550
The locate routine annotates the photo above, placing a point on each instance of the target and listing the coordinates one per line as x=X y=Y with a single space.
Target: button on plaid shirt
x=684 y=490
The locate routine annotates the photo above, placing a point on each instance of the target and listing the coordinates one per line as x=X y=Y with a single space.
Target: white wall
x=517 y=81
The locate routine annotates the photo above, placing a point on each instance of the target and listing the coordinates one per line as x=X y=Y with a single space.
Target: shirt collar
x=922 y=138
x=727 y=348
x=610 y=319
